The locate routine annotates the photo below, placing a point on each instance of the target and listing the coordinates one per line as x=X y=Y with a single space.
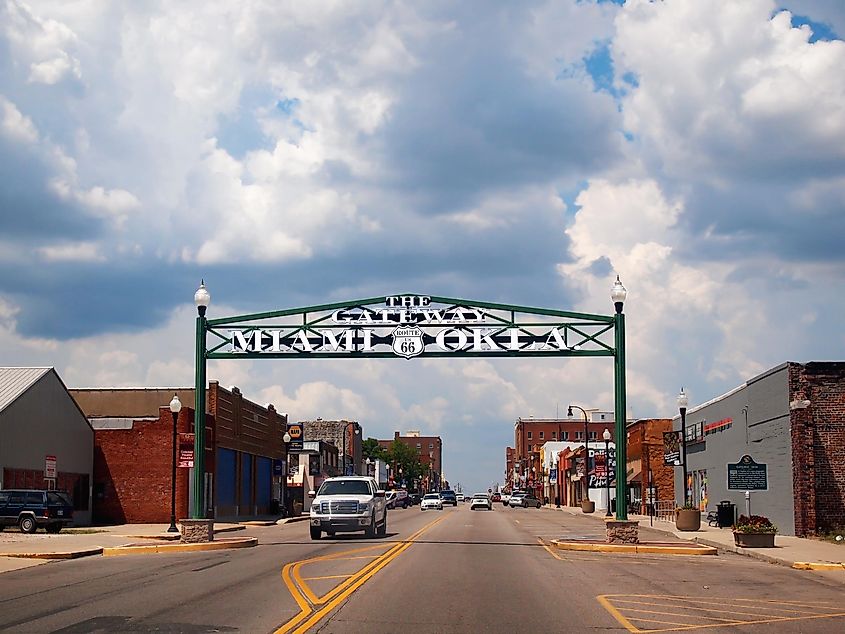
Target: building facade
x=645 y=466
x=790 y=418
x=430 y=450
x=134 y=426
x=45 y=440
x=346 y=435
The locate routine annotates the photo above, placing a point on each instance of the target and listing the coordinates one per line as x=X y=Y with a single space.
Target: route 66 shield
x=408 y=341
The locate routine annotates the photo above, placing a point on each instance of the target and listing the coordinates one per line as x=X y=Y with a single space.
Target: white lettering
x=481 y=336
x=432 y=316
x=340 y=317
x=275 y=341
x=368 y=339
x=240 y=343
x=257 y=340
x=334 y=340
x=558 y=339
x=302 y=340
x=440 y=339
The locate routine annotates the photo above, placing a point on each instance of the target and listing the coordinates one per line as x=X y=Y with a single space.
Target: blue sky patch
x=821 y=30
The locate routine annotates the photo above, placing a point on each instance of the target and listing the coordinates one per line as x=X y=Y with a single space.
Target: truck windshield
x=344 y=487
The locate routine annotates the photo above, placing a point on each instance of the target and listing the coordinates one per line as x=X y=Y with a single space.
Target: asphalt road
x=449 y=571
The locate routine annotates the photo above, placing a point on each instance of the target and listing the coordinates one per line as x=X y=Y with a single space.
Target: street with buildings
x=440 y=571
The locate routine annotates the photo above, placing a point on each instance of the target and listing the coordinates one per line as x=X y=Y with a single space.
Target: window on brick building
x=554 y=435
x=430 y=446
x=529 y=435
x=542 y=435
x=593 y=435
x=565 y=435
x=579 y=435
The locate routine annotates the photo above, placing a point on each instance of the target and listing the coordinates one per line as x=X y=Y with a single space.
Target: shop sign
x=747 y=475
x=671 y=448
x=186 y=451
x=553 y=475
x=278 y=467
x=50 y=467
x=603 y=467
x=296 y=436
x=408 y=326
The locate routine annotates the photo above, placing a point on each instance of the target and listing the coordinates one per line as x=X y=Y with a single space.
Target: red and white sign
x=50 y=467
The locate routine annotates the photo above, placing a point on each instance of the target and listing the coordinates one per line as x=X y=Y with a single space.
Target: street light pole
x=202 y=299
x=618 y=294
x=683 y=401
x=606 y=436
x=586 y=448
x=175 y=407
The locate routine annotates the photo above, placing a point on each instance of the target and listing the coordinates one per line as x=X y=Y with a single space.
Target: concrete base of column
x=197 y=531
x=622 y=532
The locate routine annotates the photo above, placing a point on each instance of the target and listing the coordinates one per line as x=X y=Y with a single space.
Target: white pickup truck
x=347 y=504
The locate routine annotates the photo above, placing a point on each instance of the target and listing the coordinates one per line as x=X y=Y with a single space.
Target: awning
x=635 y=477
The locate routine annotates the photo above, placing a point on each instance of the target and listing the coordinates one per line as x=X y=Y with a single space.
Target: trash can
x=726 y=510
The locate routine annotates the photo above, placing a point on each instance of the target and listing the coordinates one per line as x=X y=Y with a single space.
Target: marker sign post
x=747 y=475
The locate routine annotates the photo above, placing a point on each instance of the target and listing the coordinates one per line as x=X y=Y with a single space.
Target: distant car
x=496 y=497
x=34 y=509
x=505 y=498
x=401 y=499
x=516 y=499
x=525 y=501
x=459 y=497
x=390 y=500
x=431 y=501
x=449 y=497
x=415 y=498
x=480 y=501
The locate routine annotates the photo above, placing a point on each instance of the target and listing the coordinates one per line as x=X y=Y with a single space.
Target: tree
x=401 y=456
x=372 y=450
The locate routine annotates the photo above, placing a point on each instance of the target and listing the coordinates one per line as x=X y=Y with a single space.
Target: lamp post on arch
x=202 y=299
x=618 y=294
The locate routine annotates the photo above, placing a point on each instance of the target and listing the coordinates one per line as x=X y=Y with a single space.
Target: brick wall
x=818 y=446
x=132 y=471
x=645 y=450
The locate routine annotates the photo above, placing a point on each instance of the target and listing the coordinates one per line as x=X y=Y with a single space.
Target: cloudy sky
x=294 y=153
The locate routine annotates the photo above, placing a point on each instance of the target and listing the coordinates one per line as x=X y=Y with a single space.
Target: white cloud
x=15 y=125
x=72 y=252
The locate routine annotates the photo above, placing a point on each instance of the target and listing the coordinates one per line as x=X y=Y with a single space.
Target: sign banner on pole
x=553 y=475
x=296 y=436
x=603 y=467
x=672 y=448
x=186 y=451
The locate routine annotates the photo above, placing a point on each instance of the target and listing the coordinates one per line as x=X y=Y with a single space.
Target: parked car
x=415 y=498
x=525 y=501
x=390 y=499
x=496 y=497
x=449 y=497
x=431 y=501
x=516 y=499
x=34 y=509
x=348 y=504
x=480 y=501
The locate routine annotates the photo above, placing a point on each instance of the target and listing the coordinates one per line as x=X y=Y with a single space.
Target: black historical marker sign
x=747 y=475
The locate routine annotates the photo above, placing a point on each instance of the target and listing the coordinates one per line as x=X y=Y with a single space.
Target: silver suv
x=348 y=504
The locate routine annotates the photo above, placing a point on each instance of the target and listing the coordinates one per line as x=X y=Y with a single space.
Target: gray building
x=789 y=418
x=346 y=435
x=45 y=440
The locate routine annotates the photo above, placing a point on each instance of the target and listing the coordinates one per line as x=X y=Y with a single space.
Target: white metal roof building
x=45 y=440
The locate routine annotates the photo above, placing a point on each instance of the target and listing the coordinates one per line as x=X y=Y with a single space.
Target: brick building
x=790 y=418
x=645 y=462
x=346 y=435
x=133 y=452
x=530 y=434
x=430 y=450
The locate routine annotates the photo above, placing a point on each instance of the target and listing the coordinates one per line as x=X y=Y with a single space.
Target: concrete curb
x=258 y=523
x=645 y=548
x=229 y=529
x=747 y=552
x=70 y=554
x=232 y=542
x=817 y=565
x=291 y=520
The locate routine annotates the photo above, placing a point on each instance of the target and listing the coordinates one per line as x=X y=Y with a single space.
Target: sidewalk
x=19 y=550
x=795 y=552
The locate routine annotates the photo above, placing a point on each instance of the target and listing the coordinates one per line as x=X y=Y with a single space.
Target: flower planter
x=687 y=519
x=588 y=506
x=754 y=540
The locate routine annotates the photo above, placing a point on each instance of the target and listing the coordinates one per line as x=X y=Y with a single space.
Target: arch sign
x=414 y=326
x=409 y=326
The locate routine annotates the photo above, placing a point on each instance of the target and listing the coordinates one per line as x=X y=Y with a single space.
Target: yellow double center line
x=308 y=601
